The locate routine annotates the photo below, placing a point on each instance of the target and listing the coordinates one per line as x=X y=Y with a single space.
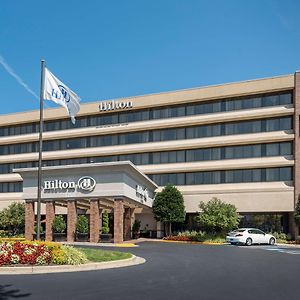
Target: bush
x=59 y=224
x=105 y=223
x=280 y=236
x=73 y=256
x=218 y=216
x=196 y=236
x=82 y=224
x=136 y=226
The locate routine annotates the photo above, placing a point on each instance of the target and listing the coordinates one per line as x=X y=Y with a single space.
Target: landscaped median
x=27 y=257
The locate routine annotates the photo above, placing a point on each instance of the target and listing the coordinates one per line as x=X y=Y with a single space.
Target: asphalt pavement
x=172 y=271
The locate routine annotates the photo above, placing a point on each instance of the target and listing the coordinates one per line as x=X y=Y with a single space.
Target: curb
x=125 y=245
x=133 y=261
x=187 y=242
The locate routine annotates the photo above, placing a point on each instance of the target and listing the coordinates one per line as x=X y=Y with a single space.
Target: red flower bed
x=179 y=238
x=20 y=253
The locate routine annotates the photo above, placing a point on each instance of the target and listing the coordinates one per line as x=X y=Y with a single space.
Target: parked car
x=249 y=236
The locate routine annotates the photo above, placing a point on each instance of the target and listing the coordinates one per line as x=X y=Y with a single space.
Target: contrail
x=19 y=80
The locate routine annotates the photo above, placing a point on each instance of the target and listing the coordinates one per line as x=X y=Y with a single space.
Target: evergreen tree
x=297 y=212
x=168 y=206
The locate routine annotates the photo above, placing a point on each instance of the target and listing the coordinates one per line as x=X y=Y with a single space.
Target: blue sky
x=111 y=49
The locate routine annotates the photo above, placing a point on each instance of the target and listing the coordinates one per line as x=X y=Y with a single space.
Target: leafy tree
x=297 y=212
x=82 y=224
x=218 y=216
x=168 y=206
x=105 y=223
x=59 y=224
x=12 y=218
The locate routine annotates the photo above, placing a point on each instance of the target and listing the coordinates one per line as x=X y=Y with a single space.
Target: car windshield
x=239 y=230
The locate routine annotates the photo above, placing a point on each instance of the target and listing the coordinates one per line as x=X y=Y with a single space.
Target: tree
x=82 y=224
x=297 y=212
x=105 y=223
x=59 y=224
x=12 y=218
x=168 y=206
x=218 y=216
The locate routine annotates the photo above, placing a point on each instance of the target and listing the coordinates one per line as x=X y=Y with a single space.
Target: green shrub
x=73 y=256
x=3 y=234
x=59 y=224
x=289 y=237
x=218 y=216
x=198 y=236
x=136 y=226
x=105 y=223
x=82 y=224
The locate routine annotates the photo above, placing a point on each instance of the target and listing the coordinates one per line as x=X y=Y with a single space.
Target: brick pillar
x=50 y=214
x=71 y=219
x=29 y=220
x=118 y=220
x=128 y=222
x=94 y=221
x=294 y=230
x=100 y=218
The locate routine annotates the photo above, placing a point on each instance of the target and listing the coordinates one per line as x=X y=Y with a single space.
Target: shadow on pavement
x=8 y=292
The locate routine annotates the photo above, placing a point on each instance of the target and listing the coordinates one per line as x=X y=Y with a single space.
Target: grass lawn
x=98 y=255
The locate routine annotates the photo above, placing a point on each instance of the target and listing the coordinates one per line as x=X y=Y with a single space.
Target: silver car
x=249 y=236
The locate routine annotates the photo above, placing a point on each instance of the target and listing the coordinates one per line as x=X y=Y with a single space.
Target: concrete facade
x=274 y=197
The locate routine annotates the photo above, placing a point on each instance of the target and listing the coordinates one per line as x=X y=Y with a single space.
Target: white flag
x=58 y=92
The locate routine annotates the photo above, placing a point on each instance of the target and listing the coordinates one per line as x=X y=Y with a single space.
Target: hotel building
x=238 y=142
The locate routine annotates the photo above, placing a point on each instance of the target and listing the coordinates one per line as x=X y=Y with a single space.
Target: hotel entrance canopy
x=118 y=186
x=107 y=181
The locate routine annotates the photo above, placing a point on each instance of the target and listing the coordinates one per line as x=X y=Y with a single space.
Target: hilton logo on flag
x=85 y=184
x=62 y=94
x=58 y=92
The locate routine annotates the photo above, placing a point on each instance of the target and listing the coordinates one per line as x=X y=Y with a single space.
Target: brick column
x=29 y=220
x=128 y=222
x=100 y=218
x=118 y=220
x=294 y=230
x=50 y=214
x=71 y=219
x=94 y=221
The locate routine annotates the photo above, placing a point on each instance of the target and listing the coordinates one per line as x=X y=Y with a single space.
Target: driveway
x=172 y=271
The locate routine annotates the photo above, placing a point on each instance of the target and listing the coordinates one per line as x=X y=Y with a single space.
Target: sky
x=124 y=48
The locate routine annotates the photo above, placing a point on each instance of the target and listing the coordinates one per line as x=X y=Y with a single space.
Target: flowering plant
x=22 y=253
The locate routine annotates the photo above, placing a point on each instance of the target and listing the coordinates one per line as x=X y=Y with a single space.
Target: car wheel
x=272 y=241
x=233 y=243
x=248 y=242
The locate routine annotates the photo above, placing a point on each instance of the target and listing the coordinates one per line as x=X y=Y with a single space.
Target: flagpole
x=39 y=184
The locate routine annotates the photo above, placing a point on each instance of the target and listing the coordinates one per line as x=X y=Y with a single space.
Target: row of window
x=218 y=153
x=206 y=177
x=11 y=187
x=264 y=125
x=228 y=176
x=154 y=113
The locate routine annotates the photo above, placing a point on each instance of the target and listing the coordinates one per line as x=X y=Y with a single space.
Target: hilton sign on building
x=238 y=142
